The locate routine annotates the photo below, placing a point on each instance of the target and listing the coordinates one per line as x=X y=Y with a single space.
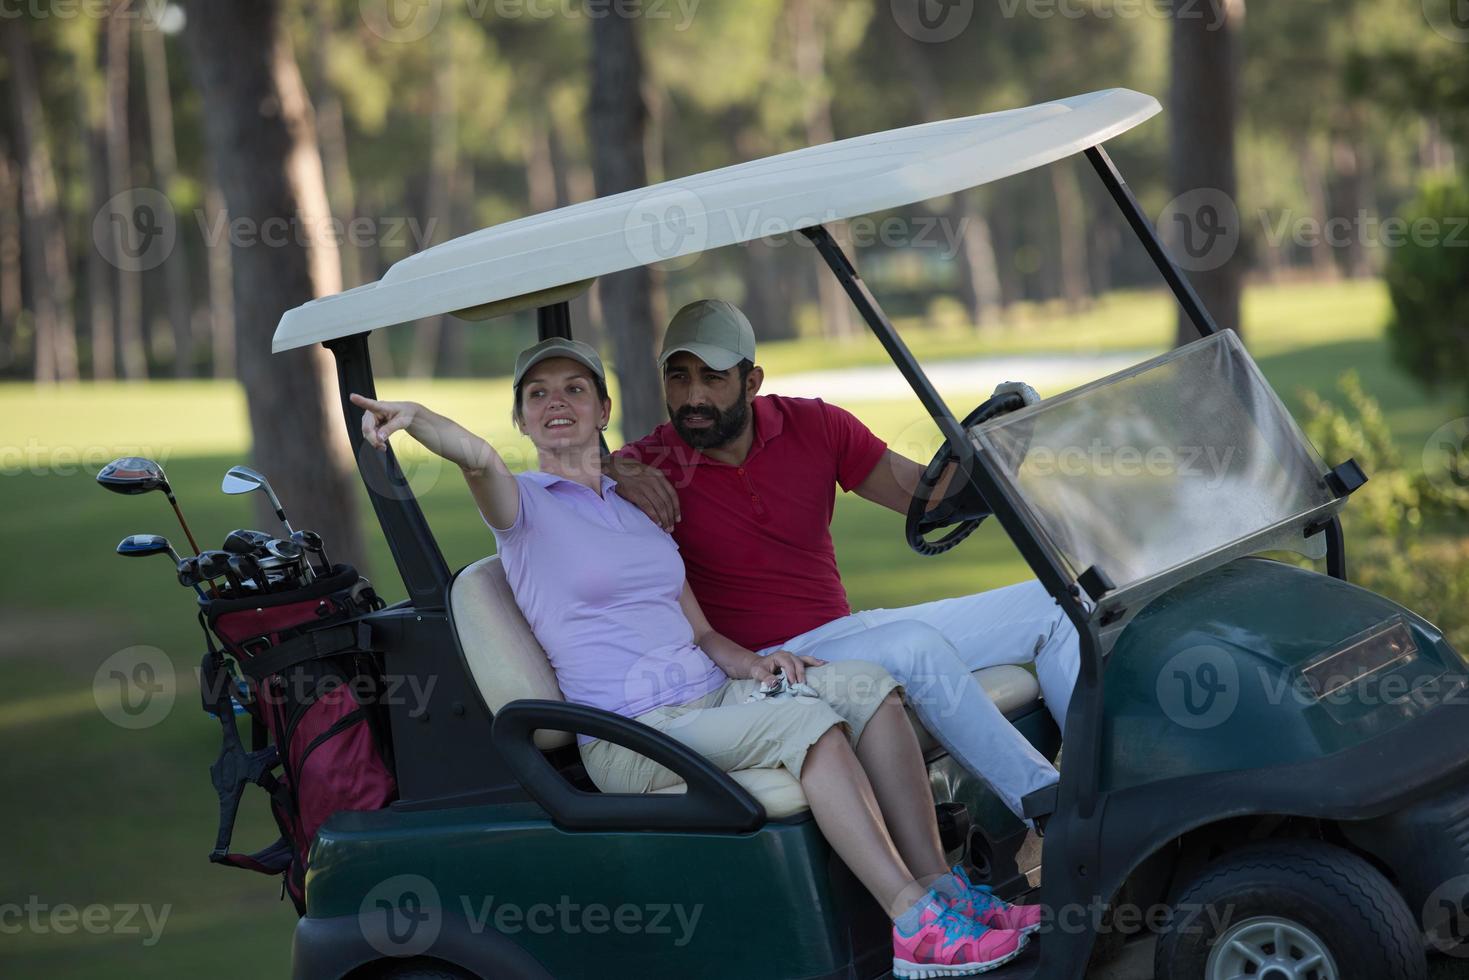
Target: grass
x=101 y=815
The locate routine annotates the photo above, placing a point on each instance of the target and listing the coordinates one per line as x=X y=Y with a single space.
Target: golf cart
x=1264 y=764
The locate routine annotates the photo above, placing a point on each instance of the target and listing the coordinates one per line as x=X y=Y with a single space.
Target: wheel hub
x=1270 y=948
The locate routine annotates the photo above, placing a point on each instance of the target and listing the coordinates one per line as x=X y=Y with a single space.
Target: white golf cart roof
x=547 y=258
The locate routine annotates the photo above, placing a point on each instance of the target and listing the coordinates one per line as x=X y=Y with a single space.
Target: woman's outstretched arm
x=489 y=479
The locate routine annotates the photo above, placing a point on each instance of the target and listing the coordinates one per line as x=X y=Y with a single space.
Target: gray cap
x=714 y=331
x=558 y=347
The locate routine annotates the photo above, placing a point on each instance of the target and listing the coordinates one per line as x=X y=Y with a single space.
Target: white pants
x=932 y=648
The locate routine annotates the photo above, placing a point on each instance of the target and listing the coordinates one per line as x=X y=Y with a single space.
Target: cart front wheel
x=1291 y=910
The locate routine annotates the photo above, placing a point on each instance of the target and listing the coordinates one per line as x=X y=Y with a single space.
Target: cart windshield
x=1158 y=472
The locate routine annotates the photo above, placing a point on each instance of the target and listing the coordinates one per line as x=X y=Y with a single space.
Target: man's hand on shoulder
x=646 y=488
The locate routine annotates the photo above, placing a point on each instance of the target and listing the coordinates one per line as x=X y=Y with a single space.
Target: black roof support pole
x=1145 y=232
x=1072 y=854
x=553 y=321
x=416 y=553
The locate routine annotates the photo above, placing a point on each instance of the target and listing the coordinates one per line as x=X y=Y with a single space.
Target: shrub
x=1404 y=531
x=1428 y=280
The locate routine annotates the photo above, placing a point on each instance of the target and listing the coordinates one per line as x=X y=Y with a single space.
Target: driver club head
x=242 y=479
x=133 y=475
x=138 y=545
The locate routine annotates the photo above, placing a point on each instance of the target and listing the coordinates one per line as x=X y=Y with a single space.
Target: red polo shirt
x=756 y=538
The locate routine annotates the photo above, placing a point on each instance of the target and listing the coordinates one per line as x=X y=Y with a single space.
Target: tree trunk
x=978 y=280
x=1313 y=177
x=118 y=32
x=808 y=32
x=1352 y=164
x=631 y=300
x=260 y=133
x=10 y=287
x=331 y=132
x=47 y=267
x=1071 y=232
x=221 y=285
x=165 y=171
x=429 y=333
x=100 y=273
x=1204 y=97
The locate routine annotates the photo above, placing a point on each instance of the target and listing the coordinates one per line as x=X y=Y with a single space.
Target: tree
x=632 y=299
x=47 y=267
x=1203 y=101
x=165 y=172
x=129 y=310
x=260 y=134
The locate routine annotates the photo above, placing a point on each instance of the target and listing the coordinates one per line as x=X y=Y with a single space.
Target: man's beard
x=728 y=424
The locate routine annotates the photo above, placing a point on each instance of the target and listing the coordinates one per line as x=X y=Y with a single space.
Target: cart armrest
x=714 y=801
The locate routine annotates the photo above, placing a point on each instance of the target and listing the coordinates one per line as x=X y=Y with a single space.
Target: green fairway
x=106 y=816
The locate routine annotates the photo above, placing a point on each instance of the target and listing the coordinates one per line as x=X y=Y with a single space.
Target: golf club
x=243 y=541
x=216 y=564
x=134 y=474
x=242 y=479
x=313 y=543
x=138 y=545
x=292 y=557
x=249 y=570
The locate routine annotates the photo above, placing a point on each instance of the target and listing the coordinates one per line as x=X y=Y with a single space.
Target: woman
x=603 y=589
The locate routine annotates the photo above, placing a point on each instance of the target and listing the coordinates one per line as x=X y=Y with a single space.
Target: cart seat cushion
x=507 y=664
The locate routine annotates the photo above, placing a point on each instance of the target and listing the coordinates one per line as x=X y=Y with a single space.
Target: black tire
x=421 y=972
x=1357 y=915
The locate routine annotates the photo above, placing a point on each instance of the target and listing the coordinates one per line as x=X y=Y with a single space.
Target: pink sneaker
x=948 y=943
x=982 y=905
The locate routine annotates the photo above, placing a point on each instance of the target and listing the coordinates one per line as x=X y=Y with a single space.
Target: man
x=747 y=483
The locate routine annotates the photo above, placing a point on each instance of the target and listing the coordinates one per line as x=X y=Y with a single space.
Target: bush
x=1404 y=531
x=1426 y=278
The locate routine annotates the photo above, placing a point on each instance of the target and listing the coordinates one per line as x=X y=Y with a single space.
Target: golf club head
x=242 y=479
x=138 y=545
x=313 y=543
x=133 y=474
x=243 y=541
x=216 y=564
x=248 y=570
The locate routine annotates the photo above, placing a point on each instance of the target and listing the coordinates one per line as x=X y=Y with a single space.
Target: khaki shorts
x=735 y=735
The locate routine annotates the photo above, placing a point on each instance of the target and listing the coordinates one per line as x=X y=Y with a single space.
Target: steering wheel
x=964 y=506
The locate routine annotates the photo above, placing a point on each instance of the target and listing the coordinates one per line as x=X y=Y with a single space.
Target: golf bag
x=312 y=686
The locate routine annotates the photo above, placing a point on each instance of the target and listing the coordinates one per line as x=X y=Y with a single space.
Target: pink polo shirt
x=599 y=584
x=756 y=538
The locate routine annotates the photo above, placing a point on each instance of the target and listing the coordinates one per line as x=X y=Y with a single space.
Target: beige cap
x=558 y=347
x=714 y=331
